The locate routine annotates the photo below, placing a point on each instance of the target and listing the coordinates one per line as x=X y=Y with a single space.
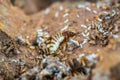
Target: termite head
x=84 y=62
x=69 y=33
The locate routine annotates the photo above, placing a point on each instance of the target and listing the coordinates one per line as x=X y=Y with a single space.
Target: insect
x=44 y=51
x=55 y=41
x=9 y=48
x=80 y=64
x=77 y=67
x=58 y=39
x=23 y=70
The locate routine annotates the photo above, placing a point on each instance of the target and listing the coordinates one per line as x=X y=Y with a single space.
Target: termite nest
x=53 y=44
x=8 y=46
x=51 y=68
x=104 y=26
x=58 y=56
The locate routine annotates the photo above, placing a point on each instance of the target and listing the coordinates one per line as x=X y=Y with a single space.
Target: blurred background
x=33 y=6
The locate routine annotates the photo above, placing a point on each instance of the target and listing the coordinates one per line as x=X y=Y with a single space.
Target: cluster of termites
x=52 y=63
x=53 y=44
x=54 y=69
x=50 y=69
x=9 y=47
x=104 y=26
x=83 y=64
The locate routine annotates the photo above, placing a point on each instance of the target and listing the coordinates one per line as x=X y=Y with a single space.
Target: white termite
x=83 y=26
x=88 y=9
x=64 y=28
x=61 y=8
x=66 y=21
x=56 y=14
x=47 y=11
x=65 y=15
